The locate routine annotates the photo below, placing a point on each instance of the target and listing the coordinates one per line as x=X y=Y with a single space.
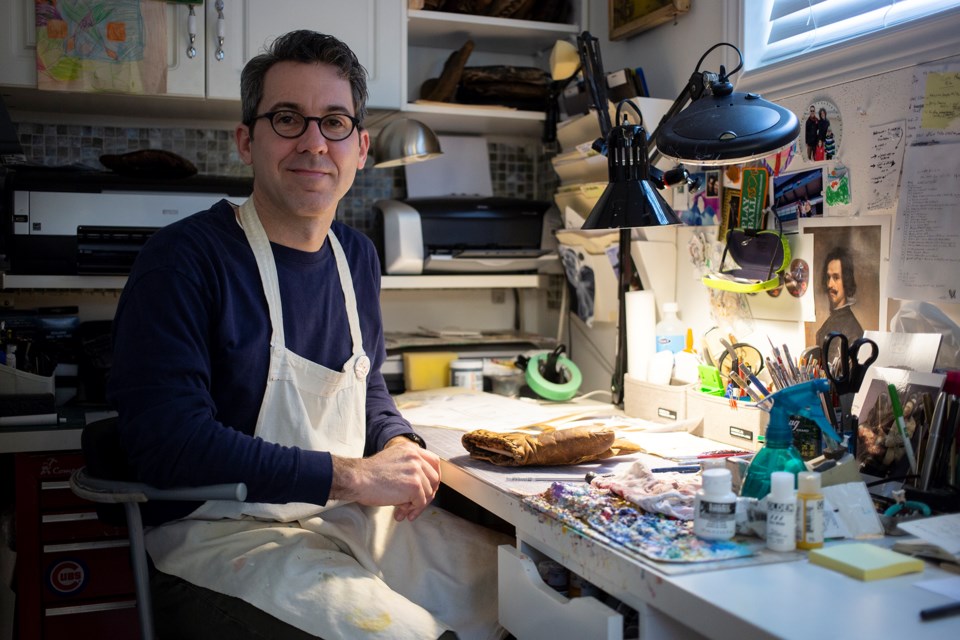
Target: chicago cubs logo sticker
x=67 y=577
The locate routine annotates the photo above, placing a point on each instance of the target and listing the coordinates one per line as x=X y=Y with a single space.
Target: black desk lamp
x=720 y=127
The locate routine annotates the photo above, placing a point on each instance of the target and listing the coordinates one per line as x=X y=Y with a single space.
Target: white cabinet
x=370 y=27
x=433 y=35
x=19 y=66
x=185 y=76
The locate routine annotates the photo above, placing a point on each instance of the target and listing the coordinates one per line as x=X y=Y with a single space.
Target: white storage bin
x=657 y=402
x=530 y=609
x=740 y=427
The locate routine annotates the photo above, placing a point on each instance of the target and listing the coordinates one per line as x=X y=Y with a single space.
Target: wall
x=668 y=55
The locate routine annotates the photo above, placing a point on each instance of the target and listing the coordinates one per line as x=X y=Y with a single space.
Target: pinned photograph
x=798 y=195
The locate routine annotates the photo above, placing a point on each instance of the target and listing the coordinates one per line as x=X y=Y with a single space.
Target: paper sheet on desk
x=469 y=411
x=466 y=411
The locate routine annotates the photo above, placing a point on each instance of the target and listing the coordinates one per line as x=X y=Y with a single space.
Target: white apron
x=354 y=572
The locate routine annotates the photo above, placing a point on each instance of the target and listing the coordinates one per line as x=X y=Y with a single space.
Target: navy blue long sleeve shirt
x=191 y=353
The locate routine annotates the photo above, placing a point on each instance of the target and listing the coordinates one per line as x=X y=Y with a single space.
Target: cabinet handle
x=192 y=30
x=221 y=30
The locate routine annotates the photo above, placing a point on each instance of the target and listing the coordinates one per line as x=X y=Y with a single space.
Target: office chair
x=105 y=480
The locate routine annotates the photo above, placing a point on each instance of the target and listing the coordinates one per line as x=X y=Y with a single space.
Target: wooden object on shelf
x=445 y=88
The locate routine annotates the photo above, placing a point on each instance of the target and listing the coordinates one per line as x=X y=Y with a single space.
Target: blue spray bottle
x=778 y=452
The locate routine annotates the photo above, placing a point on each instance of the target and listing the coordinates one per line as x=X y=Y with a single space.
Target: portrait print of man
x=839 y=281
x=844 y=277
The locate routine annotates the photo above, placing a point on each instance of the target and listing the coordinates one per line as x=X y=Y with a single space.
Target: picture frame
x=627 y=18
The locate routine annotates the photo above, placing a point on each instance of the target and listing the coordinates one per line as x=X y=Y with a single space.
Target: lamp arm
x=589 y=49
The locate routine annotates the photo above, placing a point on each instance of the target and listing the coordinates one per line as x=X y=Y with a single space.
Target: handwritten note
x=934 y=106
x=886 y=162
x=925 y=251
x=941 y=106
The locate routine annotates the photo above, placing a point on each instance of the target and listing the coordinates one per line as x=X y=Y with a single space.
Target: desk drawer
x=529 y=608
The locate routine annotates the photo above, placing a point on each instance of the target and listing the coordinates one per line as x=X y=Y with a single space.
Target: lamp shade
x=405 y=141
x=630 y=199
x=727 y=128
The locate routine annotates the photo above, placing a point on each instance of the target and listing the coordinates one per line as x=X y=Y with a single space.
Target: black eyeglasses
x=290 y=124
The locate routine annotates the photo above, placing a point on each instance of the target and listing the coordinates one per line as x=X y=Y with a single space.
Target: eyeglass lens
x=333 y=126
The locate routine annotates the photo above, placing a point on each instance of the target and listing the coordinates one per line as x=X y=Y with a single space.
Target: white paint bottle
x=715 y=507
x=781 y=512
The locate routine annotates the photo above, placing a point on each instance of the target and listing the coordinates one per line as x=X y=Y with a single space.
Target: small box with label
x=657 y=402
x=740 y=427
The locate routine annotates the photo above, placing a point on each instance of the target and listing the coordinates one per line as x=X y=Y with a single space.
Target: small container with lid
x=467 y=373
x=809 y=511
x=715 y=507
x=781 y=512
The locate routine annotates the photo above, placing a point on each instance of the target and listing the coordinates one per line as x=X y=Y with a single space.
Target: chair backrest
x=106 y=458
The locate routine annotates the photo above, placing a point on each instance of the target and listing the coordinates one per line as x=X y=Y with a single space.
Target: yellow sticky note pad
x=865 y=561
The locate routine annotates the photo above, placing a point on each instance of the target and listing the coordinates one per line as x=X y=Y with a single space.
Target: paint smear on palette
x=601 y=515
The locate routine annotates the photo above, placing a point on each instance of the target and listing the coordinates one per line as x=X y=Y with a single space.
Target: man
x=248 y=347
x=839 y=283
x=810 y=132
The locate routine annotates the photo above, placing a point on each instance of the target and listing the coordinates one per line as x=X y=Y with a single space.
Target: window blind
x=798 y=26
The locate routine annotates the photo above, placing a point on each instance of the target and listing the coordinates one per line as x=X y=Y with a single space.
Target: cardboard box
x=740 y=427
x=657 y=402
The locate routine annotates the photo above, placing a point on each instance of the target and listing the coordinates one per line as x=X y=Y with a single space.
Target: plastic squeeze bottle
x=778 y=453
x=781 y=512
x=670 y=332
x=715 y=507
x=809 y=511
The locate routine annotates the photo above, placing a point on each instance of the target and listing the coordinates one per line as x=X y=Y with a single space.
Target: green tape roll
x=551 y=390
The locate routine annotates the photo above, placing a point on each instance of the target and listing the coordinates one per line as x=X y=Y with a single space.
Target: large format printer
x=77 y=222
x=463 y=235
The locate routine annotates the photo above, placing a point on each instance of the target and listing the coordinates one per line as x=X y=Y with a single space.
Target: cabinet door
x=372 y=28
x=19 y=66
x=185 y=73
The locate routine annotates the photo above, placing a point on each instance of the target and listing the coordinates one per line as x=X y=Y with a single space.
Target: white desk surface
x=792 y=599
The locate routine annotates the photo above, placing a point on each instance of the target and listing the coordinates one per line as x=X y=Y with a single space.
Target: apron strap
x=349 y=296
x=263 y=254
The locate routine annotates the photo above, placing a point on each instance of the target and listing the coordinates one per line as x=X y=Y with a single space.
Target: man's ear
x=244 y=138
x=364 y=148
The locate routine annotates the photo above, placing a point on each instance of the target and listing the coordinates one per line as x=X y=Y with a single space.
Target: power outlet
x=498 y=296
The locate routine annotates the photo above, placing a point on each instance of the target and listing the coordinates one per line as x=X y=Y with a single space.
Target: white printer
x=462 y=235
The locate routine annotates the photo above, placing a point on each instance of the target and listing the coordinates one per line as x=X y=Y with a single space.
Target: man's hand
x=403 y=475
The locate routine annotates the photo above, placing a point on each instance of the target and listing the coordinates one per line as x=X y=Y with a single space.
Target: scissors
x=847 y=371
x=849 y=367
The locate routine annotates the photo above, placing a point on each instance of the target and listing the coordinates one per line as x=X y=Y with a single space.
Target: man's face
x=813 y=112
x=306 y=176
x=835 y=284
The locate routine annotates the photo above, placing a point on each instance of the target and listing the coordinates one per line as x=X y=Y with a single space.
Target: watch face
x=822 y=129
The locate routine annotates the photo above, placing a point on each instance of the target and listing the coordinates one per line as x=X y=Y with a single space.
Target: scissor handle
x=859 y=367
x=841 y=375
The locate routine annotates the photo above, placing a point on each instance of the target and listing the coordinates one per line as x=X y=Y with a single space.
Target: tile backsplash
x=518 y=170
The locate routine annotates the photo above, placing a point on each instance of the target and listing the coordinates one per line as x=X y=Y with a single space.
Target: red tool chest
x=73 y=571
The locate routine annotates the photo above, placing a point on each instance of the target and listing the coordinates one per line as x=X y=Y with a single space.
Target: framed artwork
x=629 y=17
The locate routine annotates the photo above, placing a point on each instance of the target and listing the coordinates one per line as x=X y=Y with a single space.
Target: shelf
x=478 y=120
x=471 y=281
x=449 y=31
x=61 y=282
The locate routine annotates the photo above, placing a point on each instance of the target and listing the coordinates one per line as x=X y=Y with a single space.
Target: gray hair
x=302 y=46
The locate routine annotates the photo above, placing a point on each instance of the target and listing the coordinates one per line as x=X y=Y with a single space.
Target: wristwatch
x=412 y=436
